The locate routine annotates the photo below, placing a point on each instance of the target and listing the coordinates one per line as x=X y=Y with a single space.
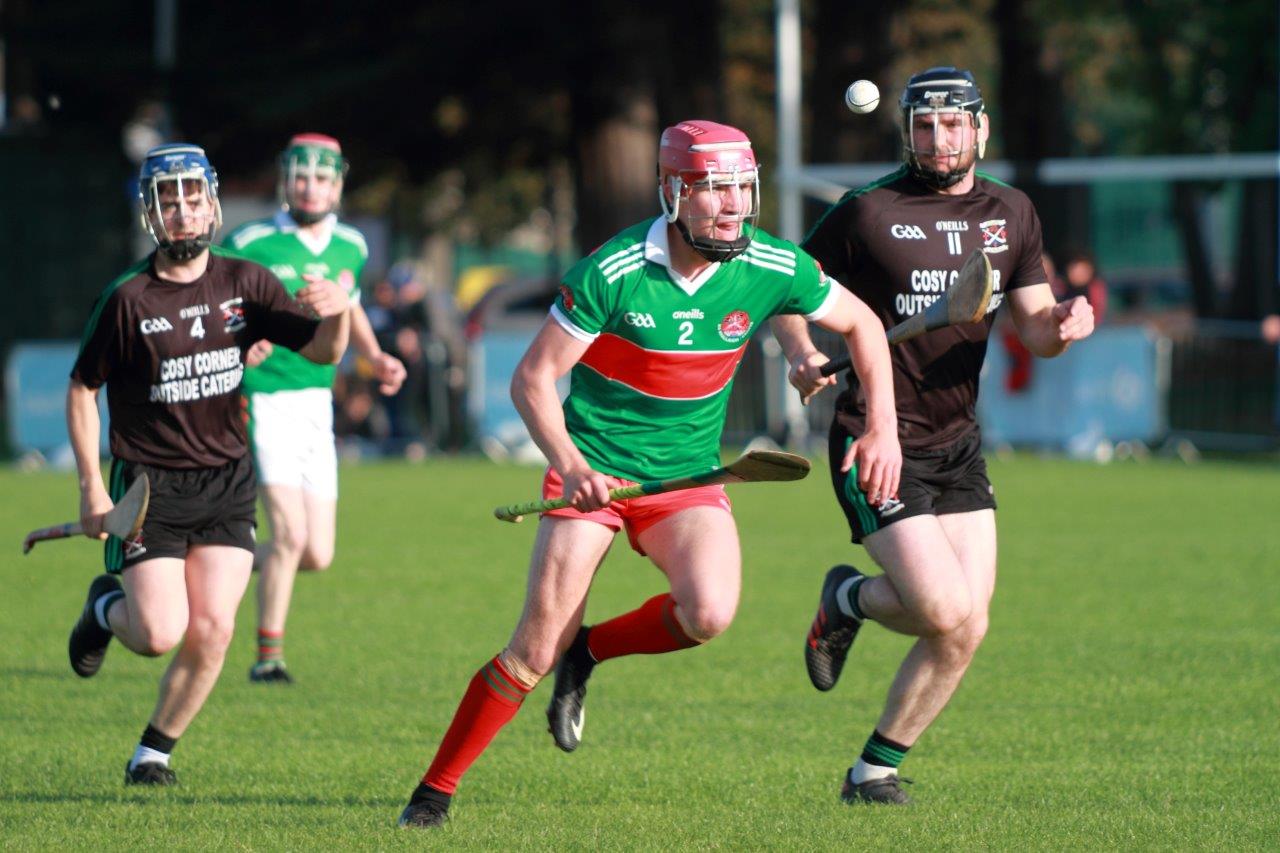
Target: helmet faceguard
x=170 y=176
x=705 y=157
x=311 y=158
x=934 y=95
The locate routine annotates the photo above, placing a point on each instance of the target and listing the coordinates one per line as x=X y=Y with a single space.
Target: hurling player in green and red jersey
x=897 y=244
x=651 y=328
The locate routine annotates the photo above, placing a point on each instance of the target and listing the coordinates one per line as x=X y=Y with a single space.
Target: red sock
x=651 y=629
x=491 y=700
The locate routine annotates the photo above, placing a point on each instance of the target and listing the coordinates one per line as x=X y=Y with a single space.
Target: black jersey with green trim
x=172 y=357
x=898 y=245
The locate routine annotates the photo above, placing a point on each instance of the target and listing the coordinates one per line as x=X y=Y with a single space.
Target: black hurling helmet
x=943 y=89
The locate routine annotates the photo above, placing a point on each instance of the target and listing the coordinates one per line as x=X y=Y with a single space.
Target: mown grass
x=1127 y=694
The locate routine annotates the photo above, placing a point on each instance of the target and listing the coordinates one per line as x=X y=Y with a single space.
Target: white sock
x=102 y=605
x=842 y=597
x=145 y=754
x=864 y=772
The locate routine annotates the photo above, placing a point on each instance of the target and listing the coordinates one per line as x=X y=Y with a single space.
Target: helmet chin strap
x=714 y=250
x=303 y=217
x=934 y=178
x=185 y=250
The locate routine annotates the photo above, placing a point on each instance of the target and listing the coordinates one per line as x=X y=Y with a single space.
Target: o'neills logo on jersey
x=735 y=326
x=233 y=314
x=995 y=236
x=566 y=296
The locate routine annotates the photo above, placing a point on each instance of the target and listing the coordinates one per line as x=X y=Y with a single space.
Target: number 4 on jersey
x=197 y=328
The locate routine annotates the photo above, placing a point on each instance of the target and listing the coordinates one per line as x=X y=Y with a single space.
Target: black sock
x=883 y=752
x=153 y=738
x=424 y=793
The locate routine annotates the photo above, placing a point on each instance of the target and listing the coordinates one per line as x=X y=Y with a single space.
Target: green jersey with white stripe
x=648 y=398
x=277 y=244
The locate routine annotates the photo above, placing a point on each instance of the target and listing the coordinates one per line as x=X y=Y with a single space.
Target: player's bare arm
x=876 y=452
x=805 y=360
x=328 y=302
x=533 y=390
x=388 y=370
x=1047 y=327
x=83 y=425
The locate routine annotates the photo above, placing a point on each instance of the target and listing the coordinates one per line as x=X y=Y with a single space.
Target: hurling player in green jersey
x=937 y=541
x=651 y=328
x=290 y=400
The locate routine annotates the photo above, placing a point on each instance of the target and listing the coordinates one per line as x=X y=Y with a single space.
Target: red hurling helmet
x=698 y=155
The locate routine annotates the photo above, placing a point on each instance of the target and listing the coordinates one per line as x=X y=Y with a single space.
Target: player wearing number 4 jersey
x=289 y=398
x=167 y=339
x=651 y=328
x=898 y=244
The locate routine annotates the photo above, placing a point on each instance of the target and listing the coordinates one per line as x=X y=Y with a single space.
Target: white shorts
x=293 y=440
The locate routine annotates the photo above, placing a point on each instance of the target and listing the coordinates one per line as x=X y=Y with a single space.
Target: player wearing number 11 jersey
x=898 y=244
x=651 y=328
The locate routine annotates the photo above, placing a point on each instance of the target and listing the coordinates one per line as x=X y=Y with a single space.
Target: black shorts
x=947 y=480
x=196 y=506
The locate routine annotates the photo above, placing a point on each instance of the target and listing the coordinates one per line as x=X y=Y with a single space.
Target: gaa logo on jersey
x=566 y=296
x=233 y=314
x=735 y=326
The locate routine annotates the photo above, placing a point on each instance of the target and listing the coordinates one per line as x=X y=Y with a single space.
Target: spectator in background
x=1056 y=284
x=1082 y=280
x=26 y=116
x=1270 y=328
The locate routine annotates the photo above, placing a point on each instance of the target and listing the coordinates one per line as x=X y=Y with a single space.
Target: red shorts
x=636 y=514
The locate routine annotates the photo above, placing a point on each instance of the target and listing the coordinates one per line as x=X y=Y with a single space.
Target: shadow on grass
x=168 y=797
x=64 y=673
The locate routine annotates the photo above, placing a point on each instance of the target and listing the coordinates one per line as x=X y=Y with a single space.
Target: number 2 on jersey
x=686 y=334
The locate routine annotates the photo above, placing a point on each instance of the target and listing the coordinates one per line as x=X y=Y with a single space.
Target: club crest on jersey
x=346 y=281
x=566 y=297
x=134 y=547
x=995 y=236
x=233 y=314
x=735 y=326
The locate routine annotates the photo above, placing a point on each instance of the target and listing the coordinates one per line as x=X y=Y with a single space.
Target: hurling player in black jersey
x=167 y=339
x=897 y=244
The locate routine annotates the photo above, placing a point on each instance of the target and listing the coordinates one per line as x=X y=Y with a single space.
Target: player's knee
x=706 y=620
x=211 y=635
x=153 y=639
x=289 y=540
x=972 y=632
x=946 y=615
x=315 y=559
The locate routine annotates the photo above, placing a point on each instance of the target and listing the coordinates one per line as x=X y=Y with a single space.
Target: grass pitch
x=1127 y=694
